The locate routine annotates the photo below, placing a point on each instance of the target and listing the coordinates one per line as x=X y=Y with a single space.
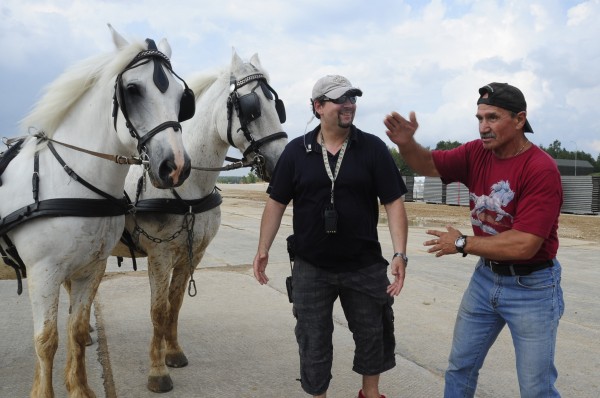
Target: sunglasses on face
x=341 y=100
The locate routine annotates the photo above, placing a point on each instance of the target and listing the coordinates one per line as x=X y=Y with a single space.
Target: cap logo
x=340 y=80
x=491 y=89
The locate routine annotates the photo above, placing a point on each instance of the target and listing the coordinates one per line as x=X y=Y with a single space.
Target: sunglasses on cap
x=341 y=100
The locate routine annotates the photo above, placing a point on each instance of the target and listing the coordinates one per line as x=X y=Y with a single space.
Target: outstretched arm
x=401 y=132
x=269 y=225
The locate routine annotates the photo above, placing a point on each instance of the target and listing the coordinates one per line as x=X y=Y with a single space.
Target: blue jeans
x=531 y=306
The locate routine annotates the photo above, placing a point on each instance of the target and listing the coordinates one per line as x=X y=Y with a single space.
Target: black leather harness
x=80 y=207
x=109 y=206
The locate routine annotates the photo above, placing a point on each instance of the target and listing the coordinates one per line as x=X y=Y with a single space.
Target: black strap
x=509 y=269
x=6 y=157
x=142 y=140
x=128 y=241
x=255 y=145
x=80 y=180
x=179 y=205
x=11 y=258
x=70 y=207
x=35 y=178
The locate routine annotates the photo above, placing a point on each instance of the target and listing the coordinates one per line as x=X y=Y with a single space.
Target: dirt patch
x=572 y=226
x=421 y=214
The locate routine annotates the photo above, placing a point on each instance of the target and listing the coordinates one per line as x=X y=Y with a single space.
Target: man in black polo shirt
x=335 y=175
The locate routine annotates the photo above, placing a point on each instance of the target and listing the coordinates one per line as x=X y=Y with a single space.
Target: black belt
x=508 y=269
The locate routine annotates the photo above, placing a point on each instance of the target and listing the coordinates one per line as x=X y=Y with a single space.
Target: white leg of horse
x=159 y=379
x=83 y=291
x=175 y=356
x=44 y=303
x=88 y=341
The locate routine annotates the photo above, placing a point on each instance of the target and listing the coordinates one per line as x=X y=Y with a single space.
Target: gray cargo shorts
x=368 y=310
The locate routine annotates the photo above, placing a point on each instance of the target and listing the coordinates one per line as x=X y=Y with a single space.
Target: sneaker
x=361 y=395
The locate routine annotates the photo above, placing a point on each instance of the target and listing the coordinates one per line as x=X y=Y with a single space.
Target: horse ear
x=236 y=61
x=164 y=47
x=255 y=61
x=119 y=40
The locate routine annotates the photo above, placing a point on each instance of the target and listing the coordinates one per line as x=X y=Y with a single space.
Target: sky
x=424 y=56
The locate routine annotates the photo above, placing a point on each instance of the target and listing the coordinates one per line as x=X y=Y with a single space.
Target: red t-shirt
x=523 y=192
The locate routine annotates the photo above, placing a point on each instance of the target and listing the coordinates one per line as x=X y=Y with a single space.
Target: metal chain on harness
x=188 y=221
x=187 y=224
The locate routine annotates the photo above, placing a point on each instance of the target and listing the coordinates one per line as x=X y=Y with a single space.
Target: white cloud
x=405 y=55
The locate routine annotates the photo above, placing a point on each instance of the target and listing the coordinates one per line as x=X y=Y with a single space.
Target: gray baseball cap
x=334 y=86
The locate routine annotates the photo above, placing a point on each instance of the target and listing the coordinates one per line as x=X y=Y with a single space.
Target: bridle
x=187 y=103
x=248 y=109
x=187 y=108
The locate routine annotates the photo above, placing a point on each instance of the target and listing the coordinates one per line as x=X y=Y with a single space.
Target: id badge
x=330 y=216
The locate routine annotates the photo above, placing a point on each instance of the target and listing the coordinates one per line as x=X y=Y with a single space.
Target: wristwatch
x=460 y=243
x=402 y=256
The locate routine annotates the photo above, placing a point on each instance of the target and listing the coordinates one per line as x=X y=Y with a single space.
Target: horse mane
x=201 y=82
x=60 y=95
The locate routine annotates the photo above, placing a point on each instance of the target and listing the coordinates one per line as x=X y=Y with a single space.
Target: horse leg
x=82 y=292
x=89 y=341
x=175 y=356
x=159 y=379
x=44 y=304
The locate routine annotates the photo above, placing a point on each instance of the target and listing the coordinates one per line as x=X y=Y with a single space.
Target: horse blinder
x=249 y=107
x=187 y=105
x=268 y=91
x=280 y=108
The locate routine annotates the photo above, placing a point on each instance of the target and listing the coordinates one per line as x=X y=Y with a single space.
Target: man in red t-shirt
x=515 y=199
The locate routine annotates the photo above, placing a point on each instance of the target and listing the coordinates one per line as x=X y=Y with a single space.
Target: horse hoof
x=176 y=360
x=89 y=341
x=160 y=383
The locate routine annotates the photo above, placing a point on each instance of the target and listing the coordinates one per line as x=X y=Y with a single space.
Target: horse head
x=255 y=114
x=152 y=105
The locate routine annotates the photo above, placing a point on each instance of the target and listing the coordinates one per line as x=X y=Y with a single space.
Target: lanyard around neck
x=338 y=164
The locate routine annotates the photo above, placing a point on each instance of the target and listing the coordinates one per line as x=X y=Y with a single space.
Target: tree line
x=555 y=150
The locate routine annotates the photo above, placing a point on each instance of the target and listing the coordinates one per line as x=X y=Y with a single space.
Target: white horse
x=239 y=108
x=65 y=230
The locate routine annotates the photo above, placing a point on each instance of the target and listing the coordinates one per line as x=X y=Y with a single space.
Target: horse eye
x=133 y=89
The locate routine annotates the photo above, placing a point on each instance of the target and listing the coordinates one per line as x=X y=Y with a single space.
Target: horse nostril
x=166 y=169
x=173 y=175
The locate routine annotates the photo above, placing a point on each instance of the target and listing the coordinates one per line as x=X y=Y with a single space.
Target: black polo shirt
x=367 y=173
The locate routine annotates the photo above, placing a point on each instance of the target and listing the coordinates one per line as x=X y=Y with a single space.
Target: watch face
x=460 y=242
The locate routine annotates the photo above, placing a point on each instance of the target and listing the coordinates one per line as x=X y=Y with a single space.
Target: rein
x=119 y=159
x=237 y=164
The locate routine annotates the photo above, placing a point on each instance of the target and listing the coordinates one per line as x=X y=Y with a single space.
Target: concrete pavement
x=239 y=336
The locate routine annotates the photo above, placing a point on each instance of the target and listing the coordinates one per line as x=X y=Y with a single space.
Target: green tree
x=556 y=151
x=405 y=170
x=400 y=163
x=447 y=145
x=251 y=178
